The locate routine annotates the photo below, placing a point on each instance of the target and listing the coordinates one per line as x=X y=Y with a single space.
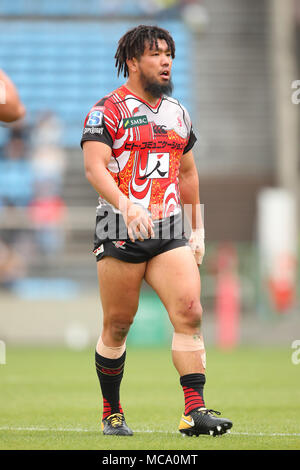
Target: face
x=154 y=69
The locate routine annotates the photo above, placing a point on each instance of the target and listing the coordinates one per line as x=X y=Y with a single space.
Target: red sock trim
x=192 y=399
x=107 y=410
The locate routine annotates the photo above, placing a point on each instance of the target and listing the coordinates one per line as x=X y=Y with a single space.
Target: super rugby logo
x=135 y=121
x=95 y=117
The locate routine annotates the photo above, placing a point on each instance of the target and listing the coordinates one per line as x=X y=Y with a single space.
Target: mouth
x=165 y=74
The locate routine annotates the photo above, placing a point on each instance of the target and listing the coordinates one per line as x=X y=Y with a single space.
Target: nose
x=166 y=59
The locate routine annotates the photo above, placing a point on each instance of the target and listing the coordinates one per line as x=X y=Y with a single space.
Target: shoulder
x=108 y=102
x=176 y=103
x=106 y=107
x=180 y=108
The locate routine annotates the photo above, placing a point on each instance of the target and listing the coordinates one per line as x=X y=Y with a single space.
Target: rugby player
x=137 y=143
x=11 y=107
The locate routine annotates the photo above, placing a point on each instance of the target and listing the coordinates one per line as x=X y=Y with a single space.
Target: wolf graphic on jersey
x=147 y=144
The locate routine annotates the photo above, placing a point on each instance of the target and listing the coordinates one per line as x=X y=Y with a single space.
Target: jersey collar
x=129 y=92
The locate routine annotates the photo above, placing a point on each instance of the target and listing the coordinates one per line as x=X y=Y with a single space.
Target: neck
x=138 y=90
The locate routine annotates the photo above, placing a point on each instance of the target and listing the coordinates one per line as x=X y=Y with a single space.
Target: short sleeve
x=101 y=124
x=191 y=139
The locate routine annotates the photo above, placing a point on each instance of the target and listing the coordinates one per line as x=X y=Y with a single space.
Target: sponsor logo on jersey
x=93 y=130
x=156 y=145
x=135 y=121
x=157 y=166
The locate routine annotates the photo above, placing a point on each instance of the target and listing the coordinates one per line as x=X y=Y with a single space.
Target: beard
x=155 y=88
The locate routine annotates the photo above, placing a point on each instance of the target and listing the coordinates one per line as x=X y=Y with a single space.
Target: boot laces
x=209 y=411
x=116 y=419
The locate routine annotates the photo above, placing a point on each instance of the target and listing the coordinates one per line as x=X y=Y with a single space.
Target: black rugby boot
x=203 y=421
x=115 y=424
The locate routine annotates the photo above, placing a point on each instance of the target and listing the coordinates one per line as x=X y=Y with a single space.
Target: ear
x=132 y=64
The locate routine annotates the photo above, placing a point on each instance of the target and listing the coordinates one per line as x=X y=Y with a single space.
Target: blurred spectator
x=16 y=173
x=46 y=213
x=12 y=265
x=48 y=157
x=47 y=209
x=31 y=208
x=47 y=130
x=16 y=192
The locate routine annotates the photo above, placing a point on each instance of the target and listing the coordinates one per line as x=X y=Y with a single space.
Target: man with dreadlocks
x=137 y=143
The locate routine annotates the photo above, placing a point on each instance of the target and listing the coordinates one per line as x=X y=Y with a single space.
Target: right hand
x=139 y=223
x=197 y=245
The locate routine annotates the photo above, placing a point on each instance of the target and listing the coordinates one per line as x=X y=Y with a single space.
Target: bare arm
x=189 y=191
x=96 y=158
x=11 y=107
x=189 y=188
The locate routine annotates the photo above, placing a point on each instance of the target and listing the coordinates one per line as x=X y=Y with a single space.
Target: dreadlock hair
x=133 y=44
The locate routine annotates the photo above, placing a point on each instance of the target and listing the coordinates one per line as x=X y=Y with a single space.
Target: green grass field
x=50 y=399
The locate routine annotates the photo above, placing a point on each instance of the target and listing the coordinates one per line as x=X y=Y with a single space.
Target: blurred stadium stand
x=86 y=8
x=233 y=95
x=64 y=64
x=67 y=66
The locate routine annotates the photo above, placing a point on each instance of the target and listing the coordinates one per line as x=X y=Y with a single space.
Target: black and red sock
x=192 y=385
x=110 y=374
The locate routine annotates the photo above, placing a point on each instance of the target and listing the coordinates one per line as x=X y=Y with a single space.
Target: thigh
x=119 y=284
x=174 y=275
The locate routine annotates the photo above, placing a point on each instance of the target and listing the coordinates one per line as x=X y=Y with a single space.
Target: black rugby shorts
x=169 y=234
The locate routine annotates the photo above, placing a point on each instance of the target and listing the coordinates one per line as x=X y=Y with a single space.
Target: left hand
x=197 y=245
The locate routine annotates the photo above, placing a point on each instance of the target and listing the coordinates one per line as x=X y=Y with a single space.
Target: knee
x=190 y=314
x=118 y=325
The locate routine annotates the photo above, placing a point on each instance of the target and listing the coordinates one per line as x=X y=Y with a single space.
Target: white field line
x=49 y=429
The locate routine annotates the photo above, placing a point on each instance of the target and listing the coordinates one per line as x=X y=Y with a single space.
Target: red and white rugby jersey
x=147 y=143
